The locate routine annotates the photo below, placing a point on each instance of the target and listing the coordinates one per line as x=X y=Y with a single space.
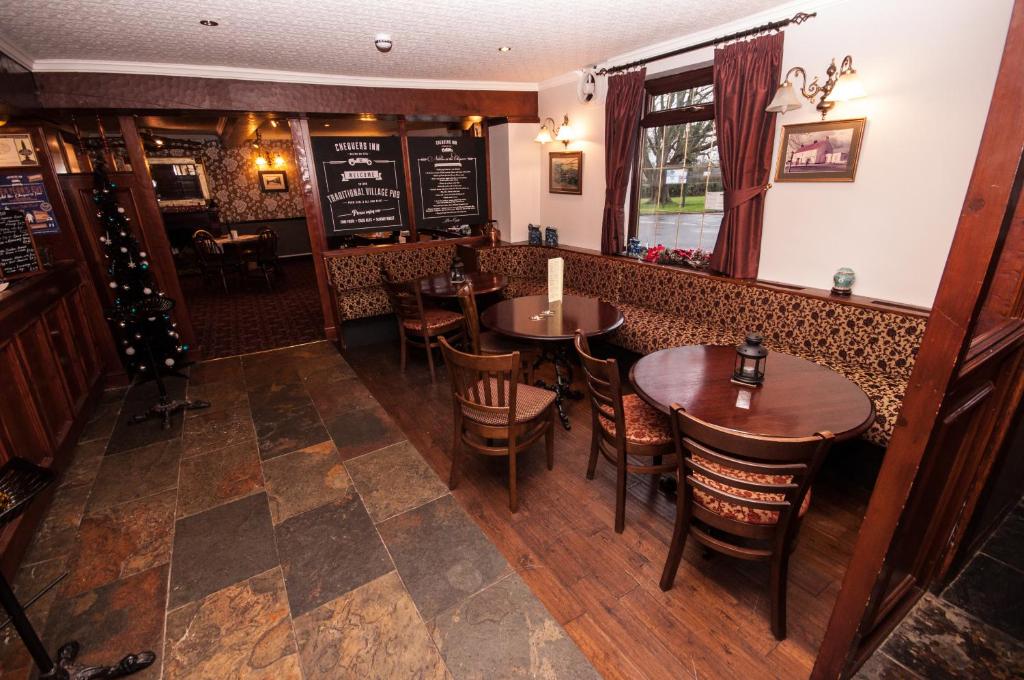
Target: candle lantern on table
x=457 y=270
x=750 y=360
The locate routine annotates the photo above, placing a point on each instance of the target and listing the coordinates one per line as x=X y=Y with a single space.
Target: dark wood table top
x=513 y=317
x=797 y=399
x=441 y=286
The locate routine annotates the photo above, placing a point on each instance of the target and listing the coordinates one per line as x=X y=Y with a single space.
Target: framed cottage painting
x=273 y=180
x=820 y=152
x=565 y=172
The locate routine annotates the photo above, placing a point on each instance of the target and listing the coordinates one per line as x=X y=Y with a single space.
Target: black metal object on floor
x=562 y=358
x=20 y=482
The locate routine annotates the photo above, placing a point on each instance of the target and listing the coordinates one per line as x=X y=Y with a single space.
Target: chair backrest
x=603 y=388
x=207 y=248
x=485 y=386
x=779 y=469
x=467 y=301
x=266 y=245
x=405 y=299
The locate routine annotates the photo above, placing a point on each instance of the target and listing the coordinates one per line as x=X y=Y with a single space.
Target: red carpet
x=250 y=318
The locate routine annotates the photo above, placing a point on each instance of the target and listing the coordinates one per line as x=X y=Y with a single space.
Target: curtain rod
x=797 y=18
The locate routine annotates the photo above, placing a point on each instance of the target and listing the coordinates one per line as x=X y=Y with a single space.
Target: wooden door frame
x=154 y=234
x=302 y=147
x=989 y=207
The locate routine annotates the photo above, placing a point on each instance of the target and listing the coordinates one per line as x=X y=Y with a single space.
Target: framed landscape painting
x=820 y=152
x=565 y=172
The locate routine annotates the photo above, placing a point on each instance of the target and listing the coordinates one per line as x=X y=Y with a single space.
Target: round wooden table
x=242 y=240
x=441 y=286
x=797 y=399
x=523 y=318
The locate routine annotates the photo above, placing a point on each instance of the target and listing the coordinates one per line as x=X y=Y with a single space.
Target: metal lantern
x=750 y=360
x=457 y=270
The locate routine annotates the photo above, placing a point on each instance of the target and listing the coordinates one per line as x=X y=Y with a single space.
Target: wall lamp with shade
x=841 y=84
x=563 y=133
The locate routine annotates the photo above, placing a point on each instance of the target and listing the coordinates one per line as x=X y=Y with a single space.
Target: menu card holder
x=556 y=271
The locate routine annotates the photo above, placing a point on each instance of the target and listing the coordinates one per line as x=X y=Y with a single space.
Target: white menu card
x=556 y=269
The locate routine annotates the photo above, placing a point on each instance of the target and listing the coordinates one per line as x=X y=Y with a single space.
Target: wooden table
x=516 y=318
x=242 y=240
x=797 y=399
x=441 y=286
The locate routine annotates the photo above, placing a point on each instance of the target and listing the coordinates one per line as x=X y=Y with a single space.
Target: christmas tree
x=141 y=313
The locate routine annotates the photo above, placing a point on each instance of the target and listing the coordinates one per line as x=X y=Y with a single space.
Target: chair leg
x=513 y=495
x=549 y=437
x=224 y=279
x=620 y=493
x=679 y=534
x=595 y=442
x=404 y=350
x=453 y=476
x=430 y=359
x=778 y=581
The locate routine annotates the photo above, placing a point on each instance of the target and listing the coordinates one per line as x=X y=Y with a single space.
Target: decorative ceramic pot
x=843 y=281
x=551 y=237
x=633 y=248
x=534 y=235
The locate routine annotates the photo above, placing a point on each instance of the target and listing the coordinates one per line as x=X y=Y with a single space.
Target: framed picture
x=17 y=150
x=565 y=172
x=273 y=180
x=820 y=152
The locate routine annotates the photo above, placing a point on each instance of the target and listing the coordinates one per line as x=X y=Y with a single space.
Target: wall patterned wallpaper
x=234 y=180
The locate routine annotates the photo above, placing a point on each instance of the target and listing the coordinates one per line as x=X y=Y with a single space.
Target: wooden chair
x=622 y=426
x=489 y=343
x=264 y=257
x=743 y=496
x=212 y=259
x=491 y=406
x=418 y=325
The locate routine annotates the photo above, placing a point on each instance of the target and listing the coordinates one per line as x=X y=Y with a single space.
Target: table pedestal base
x=562 y=386
x=66 y=669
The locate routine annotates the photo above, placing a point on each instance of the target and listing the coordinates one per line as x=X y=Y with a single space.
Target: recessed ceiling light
x=208 y=22
x=504 y=48
x=327 y=125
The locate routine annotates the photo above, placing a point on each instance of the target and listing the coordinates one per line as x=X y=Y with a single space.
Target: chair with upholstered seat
x=418 y=325
x=489 y=343
x=623 y=426
x=491 y=406
x=742 y=495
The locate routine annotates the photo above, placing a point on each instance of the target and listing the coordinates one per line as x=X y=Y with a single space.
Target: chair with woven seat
x=489 y=343
x=418 y=325
x=264 y=257
x=742 y=495
x=622 y=426
x=491 y=406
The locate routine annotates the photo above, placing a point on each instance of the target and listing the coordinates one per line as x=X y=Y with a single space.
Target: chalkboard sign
x=18 y=255
x=449 y=180
x=362 y=183
x=26 y=193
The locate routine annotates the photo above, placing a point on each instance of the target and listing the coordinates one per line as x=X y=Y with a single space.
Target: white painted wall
x=515 y=175
x=929 y=68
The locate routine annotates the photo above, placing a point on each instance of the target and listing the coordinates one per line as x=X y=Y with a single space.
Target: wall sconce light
x=841 y=84
x=563 y=133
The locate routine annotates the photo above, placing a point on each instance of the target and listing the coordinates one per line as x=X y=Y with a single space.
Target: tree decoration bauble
x=113 y=284
x=130 y=351
x=168 y=362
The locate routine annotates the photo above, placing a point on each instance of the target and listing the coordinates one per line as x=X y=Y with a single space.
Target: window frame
x=690 y=114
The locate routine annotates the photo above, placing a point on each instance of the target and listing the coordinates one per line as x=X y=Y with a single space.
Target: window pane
x=703 y=94
x=680 y=186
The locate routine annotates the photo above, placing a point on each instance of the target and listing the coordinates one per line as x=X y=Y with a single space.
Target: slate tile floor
x=290 y=531
x=974 y=628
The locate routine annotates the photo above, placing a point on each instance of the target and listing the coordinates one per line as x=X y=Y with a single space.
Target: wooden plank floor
x=603 y=587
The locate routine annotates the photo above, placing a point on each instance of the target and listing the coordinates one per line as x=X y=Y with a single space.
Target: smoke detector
x=383 y=42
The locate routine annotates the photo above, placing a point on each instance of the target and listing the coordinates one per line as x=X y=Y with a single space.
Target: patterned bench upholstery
x=667 y=307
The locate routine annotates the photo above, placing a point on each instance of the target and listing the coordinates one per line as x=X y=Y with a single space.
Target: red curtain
x=622 y=110
x=746 y=76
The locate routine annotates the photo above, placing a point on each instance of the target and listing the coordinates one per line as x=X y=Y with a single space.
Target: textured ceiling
x=435 y=39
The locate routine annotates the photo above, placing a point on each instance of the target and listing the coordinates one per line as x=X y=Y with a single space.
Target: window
x=677 y=192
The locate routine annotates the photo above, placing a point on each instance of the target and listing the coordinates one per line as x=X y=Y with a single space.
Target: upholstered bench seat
x=663 y=307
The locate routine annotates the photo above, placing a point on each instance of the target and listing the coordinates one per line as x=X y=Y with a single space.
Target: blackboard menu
x=362 y=183
x=449 y=180
x=18 y=256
